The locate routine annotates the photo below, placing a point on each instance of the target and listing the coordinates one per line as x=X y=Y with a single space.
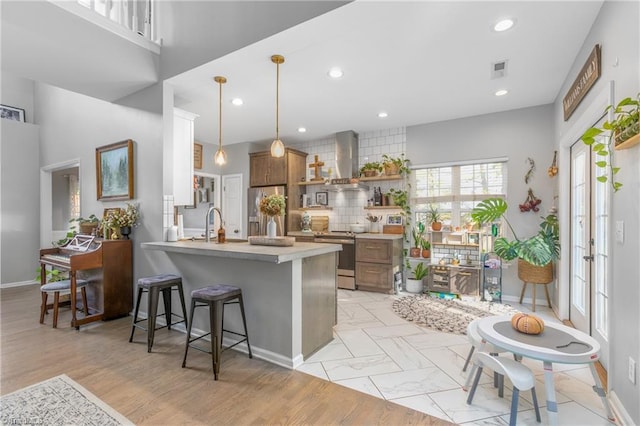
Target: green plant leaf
x=489 y=210
x=615 y=170
x=598 y=146
x=505 y=249
x=602 y=152
x=601 y=163
x=601 y=179
x=591 y=133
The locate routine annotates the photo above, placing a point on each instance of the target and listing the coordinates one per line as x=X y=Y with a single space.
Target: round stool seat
x=62 y=285
x=156 y=280
x=216 y=292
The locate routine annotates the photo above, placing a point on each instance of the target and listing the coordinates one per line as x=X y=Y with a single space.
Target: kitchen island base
x=289 y=292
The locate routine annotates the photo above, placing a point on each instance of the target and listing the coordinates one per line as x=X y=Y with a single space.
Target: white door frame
x=46 y=198
x=242 y=198
x=586 y=120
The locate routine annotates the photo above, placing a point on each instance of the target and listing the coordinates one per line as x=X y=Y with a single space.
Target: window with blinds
x=456 y=189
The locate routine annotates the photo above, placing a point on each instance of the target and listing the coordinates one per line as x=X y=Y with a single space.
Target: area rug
x=447 y=315
x=57 y=401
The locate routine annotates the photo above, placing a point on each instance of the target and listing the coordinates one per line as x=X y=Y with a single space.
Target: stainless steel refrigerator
x=257 y=221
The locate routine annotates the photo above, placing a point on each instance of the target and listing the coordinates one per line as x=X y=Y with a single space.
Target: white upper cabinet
x=183 y=138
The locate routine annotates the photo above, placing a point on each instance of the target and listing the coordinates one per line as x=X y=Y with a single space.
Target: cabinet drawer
x=376 y=251
x=375 y=276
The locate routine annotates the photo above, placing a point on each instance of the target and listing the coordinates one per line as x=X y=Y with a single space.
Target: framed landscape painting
x=114 y=171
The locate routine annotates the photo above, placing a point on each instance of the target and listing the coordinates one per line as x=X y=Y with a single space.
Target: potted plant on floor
x=415 y=281
x=535 y=254
x=433 y=216
x=622 y=132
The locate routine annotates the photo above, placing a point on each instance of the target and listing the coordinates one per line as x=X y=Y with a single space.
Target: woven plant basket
x=535 y=274
x=391 y=169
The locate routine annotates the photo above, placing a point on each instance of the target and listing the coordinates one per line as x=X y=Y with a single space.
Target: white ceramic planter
x=414 y=286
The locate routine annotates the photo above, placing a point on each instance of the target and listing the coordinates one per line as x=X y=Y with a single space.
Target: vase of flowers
x=272 y=205
x=120 y=221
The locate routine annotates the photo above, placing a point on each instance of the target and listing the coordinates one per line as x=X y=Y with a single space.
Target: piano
x=106 y=264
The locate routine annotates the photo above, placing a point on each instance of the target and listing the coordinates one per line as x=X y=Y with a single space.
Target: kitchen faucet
x=207 y=225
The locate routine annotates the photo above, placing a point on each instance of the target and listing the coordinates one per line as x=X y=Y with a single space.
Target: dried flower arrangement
x=273 y=205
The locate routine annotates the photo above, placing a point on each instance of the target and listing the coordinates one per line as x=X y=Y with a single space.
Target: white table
x=557 y=343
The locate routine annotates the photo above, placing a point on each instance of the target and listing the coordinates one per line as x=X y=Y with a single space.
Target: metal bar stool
x=216 y=297
x=57 y=288
x=154 y=285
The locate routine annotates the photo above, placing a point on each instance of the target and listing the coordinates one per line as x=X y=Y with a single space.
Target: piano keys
x=106 y=264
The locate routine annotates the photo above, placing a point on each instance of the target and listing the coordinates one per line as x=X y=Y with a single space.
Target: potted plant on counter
x=415 y=282
x=535 y=254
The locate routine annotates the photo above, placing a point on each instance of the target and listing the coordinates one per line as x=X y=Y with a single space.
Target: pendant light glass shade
x=277 y=147
x=220 y=158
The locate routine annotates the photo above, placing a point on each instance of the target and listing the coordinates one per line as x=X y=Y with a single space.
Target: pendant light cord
x=277 y=101
x=220 y=116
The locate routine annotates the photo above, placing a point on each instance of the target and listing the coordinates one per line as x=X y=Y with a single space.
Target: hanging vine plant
x=603 y=140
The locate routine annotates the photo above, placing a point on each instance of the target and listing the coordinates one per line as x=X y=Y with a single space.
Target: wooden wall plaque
x=197 y=156
x=585 y=80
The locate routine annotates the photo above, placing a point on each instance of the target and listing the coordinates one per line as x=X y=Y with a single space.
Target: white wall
x=74 y=125
x=616 y=30
x=517 y=135
x=20 y=201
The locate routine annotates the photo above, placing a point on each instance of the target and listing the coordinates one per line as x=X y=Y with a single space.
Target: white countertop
x=244 y=250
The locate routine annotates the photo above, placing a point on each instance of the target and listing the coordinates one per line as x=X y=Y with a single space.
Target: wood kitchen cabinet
x=377 y=260
x=265 y=170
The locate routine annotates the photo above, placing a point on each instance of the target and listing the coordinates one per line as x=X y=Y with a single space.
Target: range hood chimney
x=347 y=159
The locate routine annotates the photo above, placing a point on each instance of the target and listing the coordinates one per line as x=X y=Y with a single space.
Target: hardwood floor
x=152 y=388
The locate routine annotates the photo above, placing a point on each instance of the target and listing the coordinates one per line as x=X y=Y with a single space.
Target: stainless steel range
x=346 y=257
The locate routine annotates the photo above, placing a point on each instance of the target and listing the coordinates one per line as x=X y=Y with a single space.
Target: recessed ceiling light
x=504 y=24
x=302 y=129
x=502 y=92
x=382 y=114
x=335 y=72
x=237 y=101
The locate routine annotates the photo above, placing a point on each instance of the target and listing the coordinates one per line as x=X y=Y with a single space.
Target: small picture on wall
x=322 y=198
x=12 y=113
x=394 y=219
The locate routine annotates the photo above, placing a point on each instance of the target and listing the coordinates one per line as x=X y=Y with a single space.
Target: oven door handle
x=333 y=241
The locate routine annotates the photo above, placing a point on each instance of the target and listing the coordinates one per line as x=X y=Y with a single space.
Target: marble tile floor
x=376 y=352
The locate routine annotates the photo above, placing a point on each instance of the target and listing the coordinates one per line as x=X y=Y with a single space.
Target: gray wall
x=616 y=29
x=20 y=203
x=74 y=125
x=517 y=135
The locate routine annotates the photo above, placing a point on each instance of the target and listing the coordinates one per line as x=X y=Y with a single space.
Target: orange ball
x=528 y=324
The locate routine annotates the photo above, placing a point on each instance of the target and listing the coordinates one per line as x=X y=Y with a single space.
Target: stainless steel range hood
x=347 y=166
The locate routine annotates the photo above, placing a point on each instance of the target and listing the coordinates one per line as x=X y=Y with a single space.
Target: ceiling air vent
x=499 y=69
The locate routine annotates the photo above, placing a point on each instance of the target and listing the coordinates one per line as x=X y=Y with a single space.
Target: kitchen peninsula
x=289 y=292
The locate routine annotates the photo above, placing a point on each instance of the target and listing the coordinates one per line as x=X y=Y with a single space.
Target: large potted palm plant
x=535 y=254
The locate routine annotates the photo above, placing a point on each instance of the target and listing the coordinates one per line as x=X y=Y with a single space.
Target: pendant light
x=221 y=157
x=277 y=147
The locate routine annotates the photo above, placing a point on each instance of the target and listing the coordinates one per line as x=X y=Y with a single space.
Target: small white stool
x=57 y=288
x=476 y=343
x=521 y=377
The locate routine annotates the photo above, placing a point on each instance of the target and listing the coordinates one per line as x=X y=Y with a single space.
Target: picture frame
x=114 y=171
x=394 y=219
x=12 y=113
x=197 y=156
x=322 y=198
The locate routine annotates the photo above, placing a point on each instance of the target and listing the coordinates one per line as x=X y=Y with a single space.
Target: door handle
x=588 y=258
x=235 y=231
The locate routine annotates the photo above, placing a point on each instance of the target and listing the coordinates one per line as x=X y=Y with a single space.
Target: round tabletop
x=557 y=343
